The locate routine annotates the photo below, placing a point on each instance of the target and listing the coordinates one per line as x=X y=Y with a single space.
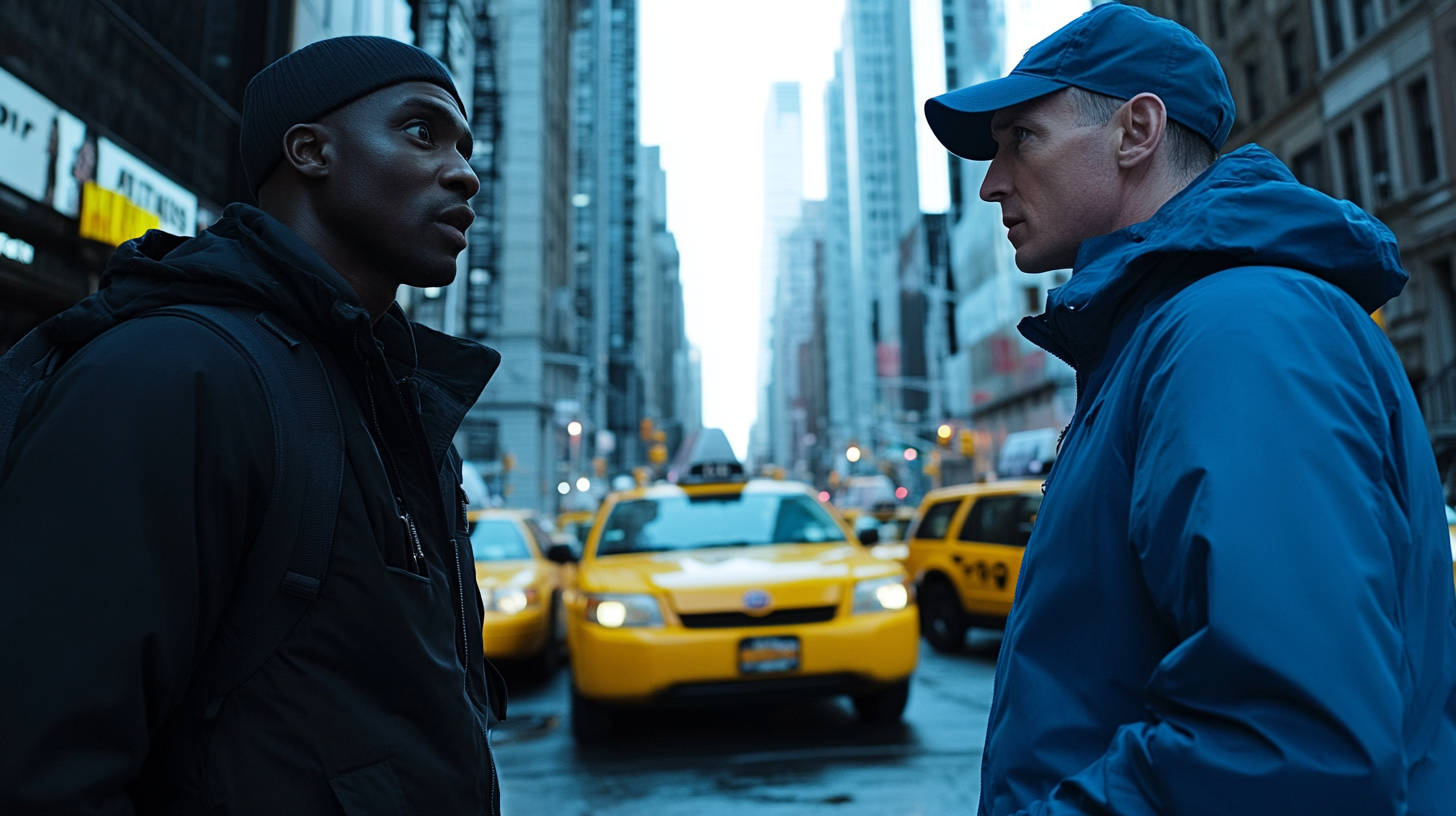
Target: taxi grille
x=778 y=617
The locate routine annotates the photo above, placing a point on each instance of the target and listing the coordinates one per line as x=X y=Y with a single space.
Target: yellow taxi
x=717 y=586
x=522 y=587
x=965 y=555
x=575 y=524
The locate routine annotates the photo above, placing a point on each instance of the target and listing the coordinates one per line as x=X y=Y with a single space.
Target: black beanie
x=321 y=78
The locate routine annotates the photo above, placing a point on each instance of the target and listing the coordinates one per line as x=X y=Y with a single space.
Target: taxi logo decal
x=757 y=600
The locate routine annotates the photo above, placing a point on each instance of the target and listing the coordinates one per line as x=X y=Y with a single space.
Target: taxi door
x=987 y=551
x=928 y=541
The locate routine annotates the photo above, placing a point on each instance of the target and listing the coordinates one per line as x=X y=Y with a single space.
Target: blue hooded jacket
x=1238 y=595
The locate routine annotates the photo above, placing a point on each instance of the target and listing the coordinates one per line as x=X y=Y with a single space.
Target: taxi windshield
x=498 y=540
x=733 y=520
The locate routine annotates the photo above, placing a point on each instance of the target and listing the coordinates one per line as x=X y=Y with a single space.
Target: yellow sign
x=112 y=218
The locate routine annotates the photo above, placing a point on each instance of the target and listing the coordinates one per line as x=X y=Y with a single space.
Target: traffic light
x=942 y=435
x=645 y=428
x=968 y=443
x=599 y=466
x=508 y=462
x=657 y=454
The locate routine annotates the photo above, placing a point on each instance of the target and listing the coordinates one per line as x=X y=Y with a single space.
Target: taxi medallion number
x=767 y=655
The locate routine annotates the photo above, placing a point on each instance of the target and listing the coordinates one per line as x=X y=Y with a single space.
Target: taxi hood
x=521 y=572
x=715 y=580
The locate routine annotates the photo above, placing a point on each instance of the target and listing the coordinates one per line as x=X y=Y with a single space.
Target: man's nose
x=460 y=177
x=996 y=186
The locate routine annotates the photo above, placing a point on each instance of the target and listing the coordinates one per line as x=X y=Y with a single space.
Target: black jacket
x=138 y=477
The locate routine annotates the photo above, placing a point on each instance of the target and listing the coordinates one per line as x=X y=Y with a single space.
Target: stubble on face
x=1054 y=178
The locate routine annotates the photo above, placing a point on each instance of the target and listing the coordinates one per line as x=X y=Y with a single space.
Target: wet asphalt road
x=805 y=758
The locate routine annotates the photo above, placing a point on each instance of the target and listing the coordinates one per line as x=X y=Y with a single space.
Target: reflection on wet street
x=786 y=758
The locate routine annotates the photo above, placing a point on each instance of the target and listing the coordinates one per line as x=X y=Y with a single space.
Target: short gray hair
x=1189 y=153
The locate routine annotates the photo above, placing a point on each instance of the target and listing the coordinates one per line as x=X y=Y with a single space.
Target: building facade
x=1358 y=99
x=121 y=116
x=994 y=381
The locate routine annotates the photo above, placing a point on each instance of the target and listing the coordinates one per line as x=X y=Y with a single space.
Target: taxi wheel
x=591 y=722
x=885 y=705
x=942 y=620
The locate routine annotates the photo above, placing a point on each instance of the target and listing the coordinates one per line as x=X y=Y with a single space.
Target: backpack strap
x=308 y=473
x=25 y=364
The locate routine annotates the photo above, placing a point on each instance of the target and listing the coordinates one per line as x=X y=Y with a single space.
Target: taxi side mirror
x=870 y=536
x=561 y=554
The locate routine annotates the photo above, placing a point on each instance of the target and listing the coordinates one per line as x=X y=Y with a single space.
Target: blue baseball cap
x=1116 y=50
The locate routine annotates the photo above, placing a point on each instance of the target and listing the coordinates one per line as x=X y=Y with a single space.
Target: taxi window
x=936 y=522
x=543 y=538
x=1001 y=520
x=737 y=520
x=498 y=540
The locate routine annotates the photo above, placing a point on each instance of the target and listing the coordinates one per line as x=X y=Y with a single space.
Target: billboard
x=50 y=155
x=28 y=132
x=121 y=172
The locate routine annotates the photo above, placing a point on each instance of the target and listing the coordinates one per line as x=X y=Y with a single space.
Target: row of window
x=1364 y=163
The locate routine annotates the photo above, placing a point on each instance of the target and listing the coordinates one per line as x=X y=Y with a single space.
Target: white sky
x=705 y=70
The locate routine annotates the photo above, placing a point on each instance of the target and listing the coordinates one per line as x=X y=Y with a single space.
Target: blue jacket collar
x=1245 y=210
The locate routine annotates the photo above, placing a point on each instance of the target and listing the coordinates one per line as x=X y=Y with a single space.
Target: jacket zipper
x=464 y=635
x=401 y=509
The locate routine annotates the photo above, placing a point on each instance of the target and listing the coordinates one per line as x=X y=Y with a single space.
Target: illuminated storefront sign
x=112 y=218
x=16 y=249
x=53 y=157
x=121 y=172
x=27 y=123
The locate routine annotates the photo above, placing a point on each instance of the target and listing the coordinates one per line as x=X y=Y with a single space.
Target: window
x=1308 y=167
x=1334 y=30
x=673 y=523
x=936 y=522
x=1001 y=520
x=498 y=540
x=1423 y=125
x=1254 y=90
x=1377 y=149
x=1365 y=17
x=1293 y=68
x=1349 y=164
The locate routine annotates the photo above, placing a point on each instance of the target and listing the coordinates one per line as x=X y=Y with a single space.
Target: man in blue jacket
x=1237 y=599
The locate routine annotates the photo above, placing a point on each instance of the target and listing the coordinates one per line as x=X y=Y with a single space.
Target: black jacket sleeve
x=140 y=472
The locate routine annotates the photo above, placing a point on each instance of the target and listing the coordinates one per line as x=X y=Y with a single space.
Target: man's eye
x=420 y=131
x=1020 y=133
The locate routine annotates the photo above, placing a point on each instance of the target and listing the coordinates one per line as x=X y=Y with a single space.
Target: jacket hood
x=1245 y=210
x=250 y=259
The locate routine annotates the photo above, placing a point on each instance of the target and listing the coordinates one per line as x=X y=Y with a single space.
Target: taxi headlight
x=616 y=611
x=881 y=595
x=509 y=600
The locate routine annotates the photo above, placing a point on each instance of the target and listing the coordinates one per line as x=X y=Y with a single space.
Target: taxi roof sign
x=706 y=457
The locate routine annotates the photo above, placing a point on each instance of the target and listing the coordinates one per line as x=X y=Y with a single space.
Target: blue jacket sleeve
x=1276 y=519
x=137 y=480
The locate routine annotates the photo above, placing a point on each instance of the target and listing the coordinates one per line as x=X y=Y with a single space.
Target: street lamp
x=563 y=488
x=943 y=433
x=853 y=453
x=583 y=484
x=573 y=428
x=910 y=454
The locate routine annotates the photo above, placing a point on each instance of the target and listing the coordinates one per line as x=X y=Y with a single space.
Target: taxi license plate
x=764 y=655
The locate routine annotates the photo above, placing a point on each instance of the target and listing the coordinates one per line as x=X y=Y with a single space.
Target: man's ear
x=1142 y=122
x=308 y=149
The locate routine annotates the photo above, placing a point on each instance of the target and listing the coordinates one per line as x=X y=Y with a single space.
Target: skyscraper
x=878 y=202
x=604 y=130
x=783 y=194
